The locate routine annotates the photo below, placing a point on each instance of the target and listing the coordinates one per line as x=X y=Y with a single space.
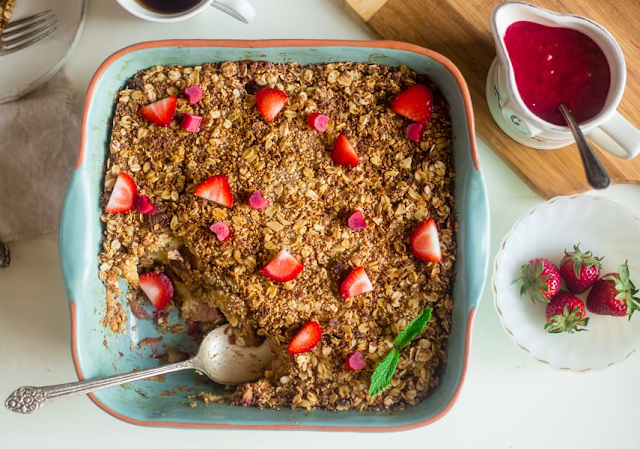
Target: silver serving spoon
x=224 y=362
x=593 y=168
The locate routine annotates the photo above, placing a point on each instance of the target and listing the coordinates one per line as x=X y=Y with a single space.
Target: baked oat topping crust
x=397 y=184
x=6 y=10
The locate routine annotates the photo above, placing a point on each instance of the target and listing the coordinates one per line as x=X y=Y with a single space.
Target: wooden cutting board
x=461 y=31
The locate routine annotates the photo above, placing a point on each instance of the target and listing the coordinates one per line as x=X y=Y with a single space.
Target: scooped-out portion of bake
x=310 y=205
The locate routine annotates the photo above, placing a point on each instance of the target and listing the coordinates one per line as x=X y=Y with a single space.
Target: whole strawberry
x=579 y=270
x=613 y=294
x=565 y=312
x=540 y=279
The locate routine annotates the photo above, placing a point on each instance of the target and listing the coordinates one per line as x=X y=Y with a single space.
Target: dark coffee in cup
x=168 y=6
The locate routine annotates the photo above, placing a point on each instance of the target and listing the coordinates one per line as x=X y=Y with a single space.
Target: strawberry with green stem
x=564 y=313
x=540 y=279
x=580 y=270
x=614 y=294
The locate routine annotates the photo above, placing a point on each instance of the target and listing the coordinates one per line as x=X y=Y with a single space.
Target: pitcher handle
x=238 y=9
x=617 y=136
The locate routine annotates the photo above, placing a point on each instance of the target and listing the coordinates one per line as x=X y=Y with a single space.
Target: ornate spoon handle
x=29 y=399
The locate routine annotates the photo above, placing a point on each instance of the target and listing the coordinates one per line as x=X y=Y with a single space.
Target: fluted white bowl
x=600 y=225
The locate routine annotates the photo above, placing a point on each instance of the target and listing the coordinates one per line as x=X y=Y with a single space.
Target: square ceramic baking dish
x=98 y=352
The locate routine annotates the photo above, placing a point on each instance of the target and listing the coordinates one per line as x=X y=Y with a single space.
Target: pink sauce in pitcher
x=557 y=65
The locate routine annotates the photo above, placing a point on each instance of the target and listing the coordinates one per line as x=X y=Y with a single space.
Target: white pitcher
x=608 y=128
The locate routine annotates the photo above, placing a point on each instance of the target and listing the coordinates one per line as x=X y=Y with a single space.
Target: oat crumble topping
x=397 y=184
x=6 y=10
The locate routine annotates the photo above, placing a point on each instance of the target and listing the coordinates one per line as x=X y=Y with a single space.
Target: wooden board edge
x=365 y=9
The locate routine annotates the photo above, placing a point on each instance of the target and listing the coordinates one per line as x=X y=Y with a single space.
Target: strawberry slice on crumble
x=343 y=152
x=282 y=268
x=306 y=338
x=356 y=283
x=414 y=103
x=124 y=195
x=425 y=243
x=157 y=287
x=270 y=102
x=216 y=189
x=160 y=112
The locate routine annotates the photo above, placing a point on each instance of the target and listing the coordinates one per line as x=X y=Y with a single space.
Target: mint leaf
x=383 y=373
x=381 y=377
x=414 y=328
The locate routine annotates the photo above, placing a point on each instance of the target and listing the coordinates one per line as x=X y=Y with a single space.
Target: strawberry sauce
x=557 y=65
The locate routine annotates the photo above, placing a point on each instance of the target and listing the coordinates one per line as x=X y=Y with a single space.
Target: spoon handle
x=29 y=399
x=596 y=174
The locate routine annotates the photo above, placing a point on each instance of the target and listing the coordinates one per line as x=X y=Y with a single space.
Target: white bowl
x=600 y=225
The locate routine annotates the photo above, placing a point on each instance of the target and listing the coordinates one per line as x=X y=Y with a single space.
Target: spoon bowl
x=218 y=357
x=227 y=363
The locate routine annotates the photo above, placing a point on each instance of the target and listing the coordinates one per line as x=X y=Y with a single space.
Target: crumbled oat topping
x=397 y=184
x=6 y=10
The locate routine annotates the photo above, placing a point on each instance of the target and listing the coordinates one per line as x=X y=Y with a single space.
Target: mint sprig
x=381 y=377
x=414 y=328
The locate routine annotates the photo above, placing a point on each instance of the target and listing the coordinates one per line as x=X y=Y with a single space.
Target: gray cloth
x=39 y=141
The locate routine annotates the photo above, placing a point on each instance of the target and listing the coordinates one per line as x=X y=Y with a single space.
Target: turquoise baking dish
x=98 y=352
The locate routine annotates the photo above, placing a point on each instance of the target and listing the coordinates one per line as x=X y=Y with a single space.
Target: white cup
x=608 y=128
x=239 y=9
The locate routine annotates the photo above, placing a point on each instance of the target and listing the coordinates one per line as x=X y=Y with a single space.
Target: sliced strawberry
x=270 y=102
x=193 y=93
x=356 y=283
x=306 y=338
x=160 y=112
x=318 y=121
x=221 y=230
x=145 y=206
x=191 y=122
x=414 y=131
x=343 y=152
x=355 y=362
x=216 y=189
x=257 y=201
x=356 y=221
x=414 y=103
x=158 y=288
x=124 y=195
x=425 y=243
x=282 y=268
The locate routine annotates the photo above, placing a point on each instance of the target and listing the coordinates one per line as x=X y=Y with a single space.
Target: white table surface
x=508 y=399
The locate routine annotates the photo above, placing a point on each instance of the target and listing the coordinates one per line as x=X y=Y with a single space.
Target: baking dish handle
x=478 y=237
